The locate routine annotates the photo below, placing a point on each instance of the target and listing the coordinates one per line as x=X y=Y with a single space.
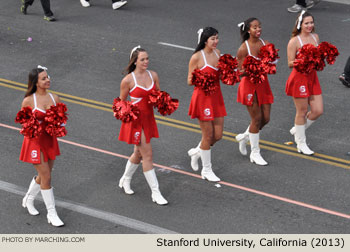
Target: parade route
x=85 y=52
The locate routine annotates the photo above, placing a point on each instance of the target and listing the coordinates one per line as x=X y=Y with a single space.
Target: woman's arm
x=291 y=52
x=124 y=88
x=155 y=79
x=317 y=38
x=56 y=98
x=27 y=101
x=241 y=54
x=192 y=66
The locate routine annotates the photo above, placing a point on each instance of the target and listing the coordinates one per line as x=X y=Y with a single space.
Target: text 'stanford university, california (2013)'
x=248 y=243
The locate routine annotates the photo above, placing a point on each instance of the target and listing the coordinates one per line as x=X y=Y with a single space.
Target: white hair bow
x=42 y=67
x=134 y=49
x=300 y=19
x=200 y=31
x=241 y=25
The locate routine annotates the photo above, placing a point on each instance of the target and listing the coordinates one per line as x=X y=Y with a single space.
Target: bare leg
x=44 y=172
x=316 y=107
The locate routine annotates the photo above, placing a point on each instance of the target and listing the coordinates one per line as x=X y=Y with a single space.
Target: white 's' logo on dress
x=34 y=154
x=302 y=89
x=249 y=96
x=137 y=135
x=207 y=111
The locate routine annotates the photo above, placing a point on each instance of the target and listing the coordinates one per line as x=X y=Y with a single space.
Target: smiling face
x=255 y=29
x=308 y=24
x=142 y=61
x=212 y=41
x=43 y=80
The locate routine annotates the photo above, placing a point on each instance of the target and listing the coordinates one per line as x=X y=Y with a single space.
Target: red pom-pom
x=328 y=52
x=228 y=72
x=31 y=127
x=306 y=59
x=54 y=130
x=319 y=64
x=24 y=115
x=254 y=69
x=56 y=118
x=268 y=53
x=163 y=102
x=125 y=110
x=205 y=81
x=269 y=68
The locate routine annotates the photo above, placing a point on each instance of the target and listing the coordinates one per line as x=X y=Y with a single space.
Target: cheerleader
x=257 y=97
x=138 y=84
x=304 y=88
x=40 y=151
x=208 y=109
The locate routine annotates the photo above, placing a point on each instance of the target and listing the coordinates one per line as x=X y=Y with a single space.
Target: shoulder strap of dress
x=216 y=53
x=134 y=77
x=205 y=60
x=34 y=98
x=248 y=48
x=313 y=36
x=53 y=99
x=262 y=41
x=301 y=42
x=150 y=75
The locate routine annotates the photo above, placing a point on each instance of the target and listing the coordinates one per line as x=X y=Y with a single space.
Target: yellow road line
x=161 y=120
x=10 y=86
x=178 y=126
x=296 y=154
x=176 y=121
x=61 y=94
x=313 y=158
x=62 y=98
x=14 y=82
x=86 y=104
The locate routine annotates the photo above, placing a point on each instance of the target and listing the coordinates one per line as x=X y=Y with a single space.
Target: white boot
x=255 y=156
x=125 y=180
x=194 y=153
x=207 y=171
x=307 y=125
x=28 y=200
x=85 y=3
x=300 y=140
x=49 y=201
x=153 y=184
x=118 y=4
x=242 y=141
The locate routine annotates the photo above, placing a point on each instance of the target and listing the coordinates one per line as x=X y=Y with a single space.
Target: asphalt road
x=86 y=51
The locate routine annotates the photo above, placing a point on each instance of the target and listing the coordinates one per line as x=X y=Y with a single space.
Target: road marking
x=243 y=188
x=287 y=150
x=93 y=212
x=176 y=46
x=55 y=92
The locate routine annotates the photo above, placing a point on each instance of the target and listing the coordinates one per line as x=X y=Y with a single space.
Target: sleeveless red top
x=130 y=132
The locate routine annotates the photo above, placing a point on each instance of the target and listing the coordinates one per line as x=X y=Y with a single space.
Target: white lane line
x=96 y=213
x=177 y=46
x=247 y=189
x=338 y=1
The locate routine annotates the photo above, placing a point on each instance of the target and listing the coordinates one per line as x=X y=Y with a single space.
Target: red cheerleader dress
x=247 y=89
x=207 y=107
x=130 y=132
x=32 y=147
x=300 y=85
